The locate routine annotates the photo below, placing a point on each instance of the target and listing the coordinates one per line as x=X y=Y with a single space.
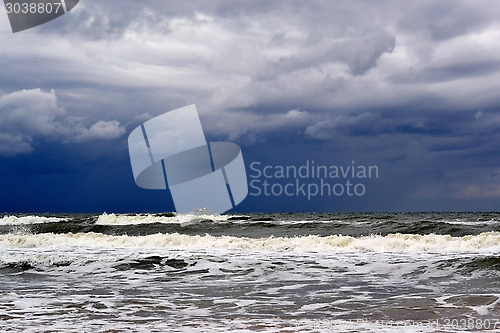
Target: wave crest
x=484 y=242
x=126 y=219
x=29 y=219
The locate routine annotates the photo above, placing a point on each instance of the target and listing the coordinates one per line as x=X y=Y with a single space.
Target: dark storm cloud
x=359 y=54
x=450 y=72
x=243 y=55
x=447 y=19
x=410 y=86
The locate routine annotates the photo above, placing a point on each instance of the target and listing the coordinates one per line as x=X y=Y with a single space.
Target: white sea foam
x=292 y=222
x=473 y=223
x=130 y=219
x=30 y=219
x=482 y=304
x=485 y=242
x=34 y=259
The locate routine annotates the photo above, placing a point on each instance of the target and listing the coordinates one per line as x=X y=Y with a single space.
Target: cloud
x=241 y=124
x=30 y=115
x=331 y=56
x=333 y=60
x=445 y=19
x=220 y=57
x=355 y=124
x=359 y=53
x=384 y=81
x=143 y=117
x=104 y=130
x=30 y=111
x=11 y=144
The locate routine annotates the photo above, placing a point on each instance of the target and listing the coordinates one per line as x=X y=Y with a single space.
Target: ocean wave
x=484 y=242
x=29 y=219
x=33 y=260
x=471 y=223
x=132 y=219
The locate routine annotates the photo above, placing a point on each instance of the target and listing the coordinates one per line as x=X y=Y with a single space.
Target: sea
x=369 y=272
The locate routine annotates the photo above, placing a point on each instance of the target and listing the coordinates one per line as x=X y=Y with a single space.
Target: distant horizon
x=239 y=213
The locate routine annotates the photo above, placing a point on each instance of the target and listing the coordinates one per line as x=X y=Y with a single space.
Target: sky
x=409 y=87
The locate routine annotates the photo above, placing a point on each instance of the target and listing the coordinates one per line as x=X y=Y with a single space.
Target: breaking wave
x=484 y=242
x=29 y=219
x=133 y=219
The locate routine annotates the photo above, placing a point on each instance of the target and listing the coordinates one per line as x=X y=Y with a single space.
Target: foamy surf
x=484 y=242
x=259 y=272
x=135 y=219
x=29 y=219
x=471 y=223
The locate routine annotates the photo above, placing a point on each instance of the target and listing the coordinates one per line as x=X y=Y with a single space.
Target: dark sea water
x=426 y=272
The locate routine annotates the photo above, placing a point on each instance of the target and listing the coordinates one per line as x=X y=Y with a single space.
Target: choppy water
x=258 y=272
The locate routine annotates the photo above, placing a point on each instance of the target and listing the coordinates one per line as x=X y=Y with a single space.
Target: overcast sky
x=409 y=86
